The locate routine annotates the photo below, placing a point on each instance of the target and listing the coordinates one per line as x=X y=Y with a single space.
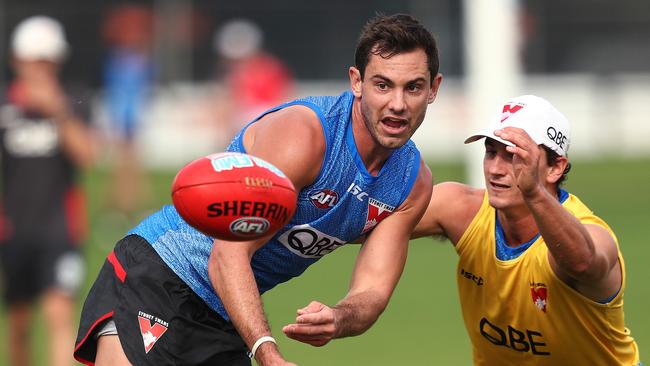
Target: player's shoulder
x=290 y=138
x=453 y=206
x=461 y=190
x=457 y=197
x=297 y=123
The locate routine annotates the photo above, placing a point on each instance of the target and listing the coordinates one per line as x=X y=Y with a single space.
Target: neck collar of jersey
x=505 y=252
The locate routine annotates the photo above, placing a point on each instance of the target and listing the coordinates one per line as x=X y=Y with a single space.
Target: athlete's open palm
x=314 y=325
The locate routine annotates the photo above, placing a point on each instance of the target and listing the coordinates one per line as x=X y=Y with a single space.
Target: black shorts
x=31 y=267
x=159 y=319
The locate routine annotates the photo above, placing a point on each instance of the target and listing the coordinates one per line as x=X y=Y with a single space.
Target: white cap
x=535 y=115
x=238 y=39
x=39 y=38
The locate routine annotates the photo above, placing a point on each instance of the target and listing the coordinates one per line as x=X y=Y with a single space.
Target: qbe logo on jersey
x=377 y=211
x=307 y=242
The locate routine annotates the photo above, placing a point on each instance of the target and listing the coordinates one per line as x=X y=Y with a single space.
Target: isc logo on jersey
x=324 y=198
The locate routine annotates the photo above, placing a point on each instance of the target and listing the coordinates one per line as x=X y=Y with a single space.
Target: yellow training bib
x=518 y=312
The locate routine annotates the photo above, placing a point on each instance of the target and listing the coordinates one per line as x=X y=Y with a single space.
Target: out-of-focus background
x=167 y=81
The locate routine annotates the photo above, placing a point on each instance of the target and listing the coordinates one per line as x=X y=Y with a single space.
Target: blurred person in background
x=44 y=141
x=540 y=277
x=128 y=76
x=254 y=80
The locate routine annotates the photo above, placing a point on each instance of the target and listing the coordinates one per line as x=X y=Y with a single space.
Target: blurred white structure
x=608 y=113
x=609 y=117
x=493 y=67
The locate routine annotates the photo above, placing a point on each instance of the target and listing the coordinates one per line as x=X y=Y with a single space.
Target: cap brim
x=484 y=134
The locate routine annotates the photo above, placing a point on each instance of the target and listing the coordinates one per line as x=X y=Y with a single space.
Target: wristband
x=259 y=342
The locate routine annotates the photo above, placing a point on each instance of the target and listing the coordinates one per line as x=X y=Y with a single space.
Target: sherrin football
x=233 y=196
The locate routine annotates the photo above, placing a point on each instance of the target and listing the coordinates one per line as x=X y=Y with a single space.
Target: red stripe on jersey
x=90 y=331
x=117 y=266
x=5 y=224
x=74 y=204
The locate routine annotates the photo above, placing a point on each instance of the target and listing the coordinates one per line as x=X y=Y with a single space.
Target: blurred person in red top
x=43 y=142
x=255 y=80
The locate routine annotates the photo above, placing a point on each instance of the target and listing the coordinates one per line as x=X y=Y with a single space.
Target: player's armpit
x=450 y=211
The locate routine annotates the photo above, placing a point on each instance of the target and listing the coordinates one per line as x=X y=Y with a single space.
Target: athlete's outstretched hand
x=525 y=159
x=315 y=325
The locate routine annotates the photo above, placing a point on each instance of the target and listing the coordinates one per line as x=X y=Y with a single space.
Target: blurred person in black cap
x=43 y=142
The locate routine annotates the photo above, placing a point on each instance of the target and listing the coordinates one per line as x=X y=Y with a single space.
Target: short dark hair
x=551 y=157
x=387 y=36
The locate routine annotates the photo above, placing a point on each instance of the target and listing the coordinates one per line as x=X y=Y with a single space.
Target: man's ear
x=355 y=81
x=556 y=170
x=435 y=85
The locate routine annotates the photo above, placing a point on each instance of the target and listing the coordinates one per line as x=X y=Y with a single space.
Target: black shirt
x=37 y=178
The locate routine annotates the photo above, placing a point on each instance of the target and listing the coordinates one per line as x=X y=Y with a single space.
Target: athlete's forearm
x=232 y=277
x=76 y=139
x=566 y=238
x=357 y=313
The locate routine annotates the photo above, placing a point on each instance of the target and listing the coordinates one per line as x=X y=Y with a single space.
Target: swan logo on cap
x=510 y=109
x=535 y=115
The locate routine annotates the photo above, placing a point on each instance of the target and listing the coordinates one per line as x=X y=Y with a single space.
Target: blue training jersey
x=342 y=204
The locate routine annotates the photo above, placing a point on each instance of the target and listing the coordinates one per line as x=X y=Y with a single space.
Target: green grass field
x=422 y=325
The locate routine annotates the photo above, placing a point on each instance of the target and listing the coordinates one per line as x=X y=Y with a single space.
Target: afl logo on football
x=325 y=198
x=249 y=226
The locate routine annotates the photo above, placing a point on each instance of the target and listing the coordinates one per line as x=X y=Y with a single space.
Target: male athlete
x=45 y=142
x=171 y=295
x=540 y=277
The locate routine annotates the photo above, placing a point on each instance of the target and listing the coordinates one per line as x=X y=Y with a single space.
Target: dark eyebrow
x=383 y=78
x=390 y=82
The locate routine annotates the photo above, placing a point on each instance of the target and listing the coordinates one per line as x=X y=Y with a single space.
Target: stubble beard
x=373 y=129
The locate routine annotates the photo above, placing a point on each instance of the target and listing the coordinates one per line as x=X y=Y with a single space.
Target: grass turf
x=423 y=324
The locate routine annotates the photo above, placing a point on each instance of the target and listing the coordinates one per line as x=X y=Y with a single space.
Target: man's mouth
x=394 y=124
x=496 y=185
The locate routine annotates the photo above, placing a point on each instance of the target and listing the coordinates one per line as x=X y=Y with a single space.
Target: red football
x=233 y=196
